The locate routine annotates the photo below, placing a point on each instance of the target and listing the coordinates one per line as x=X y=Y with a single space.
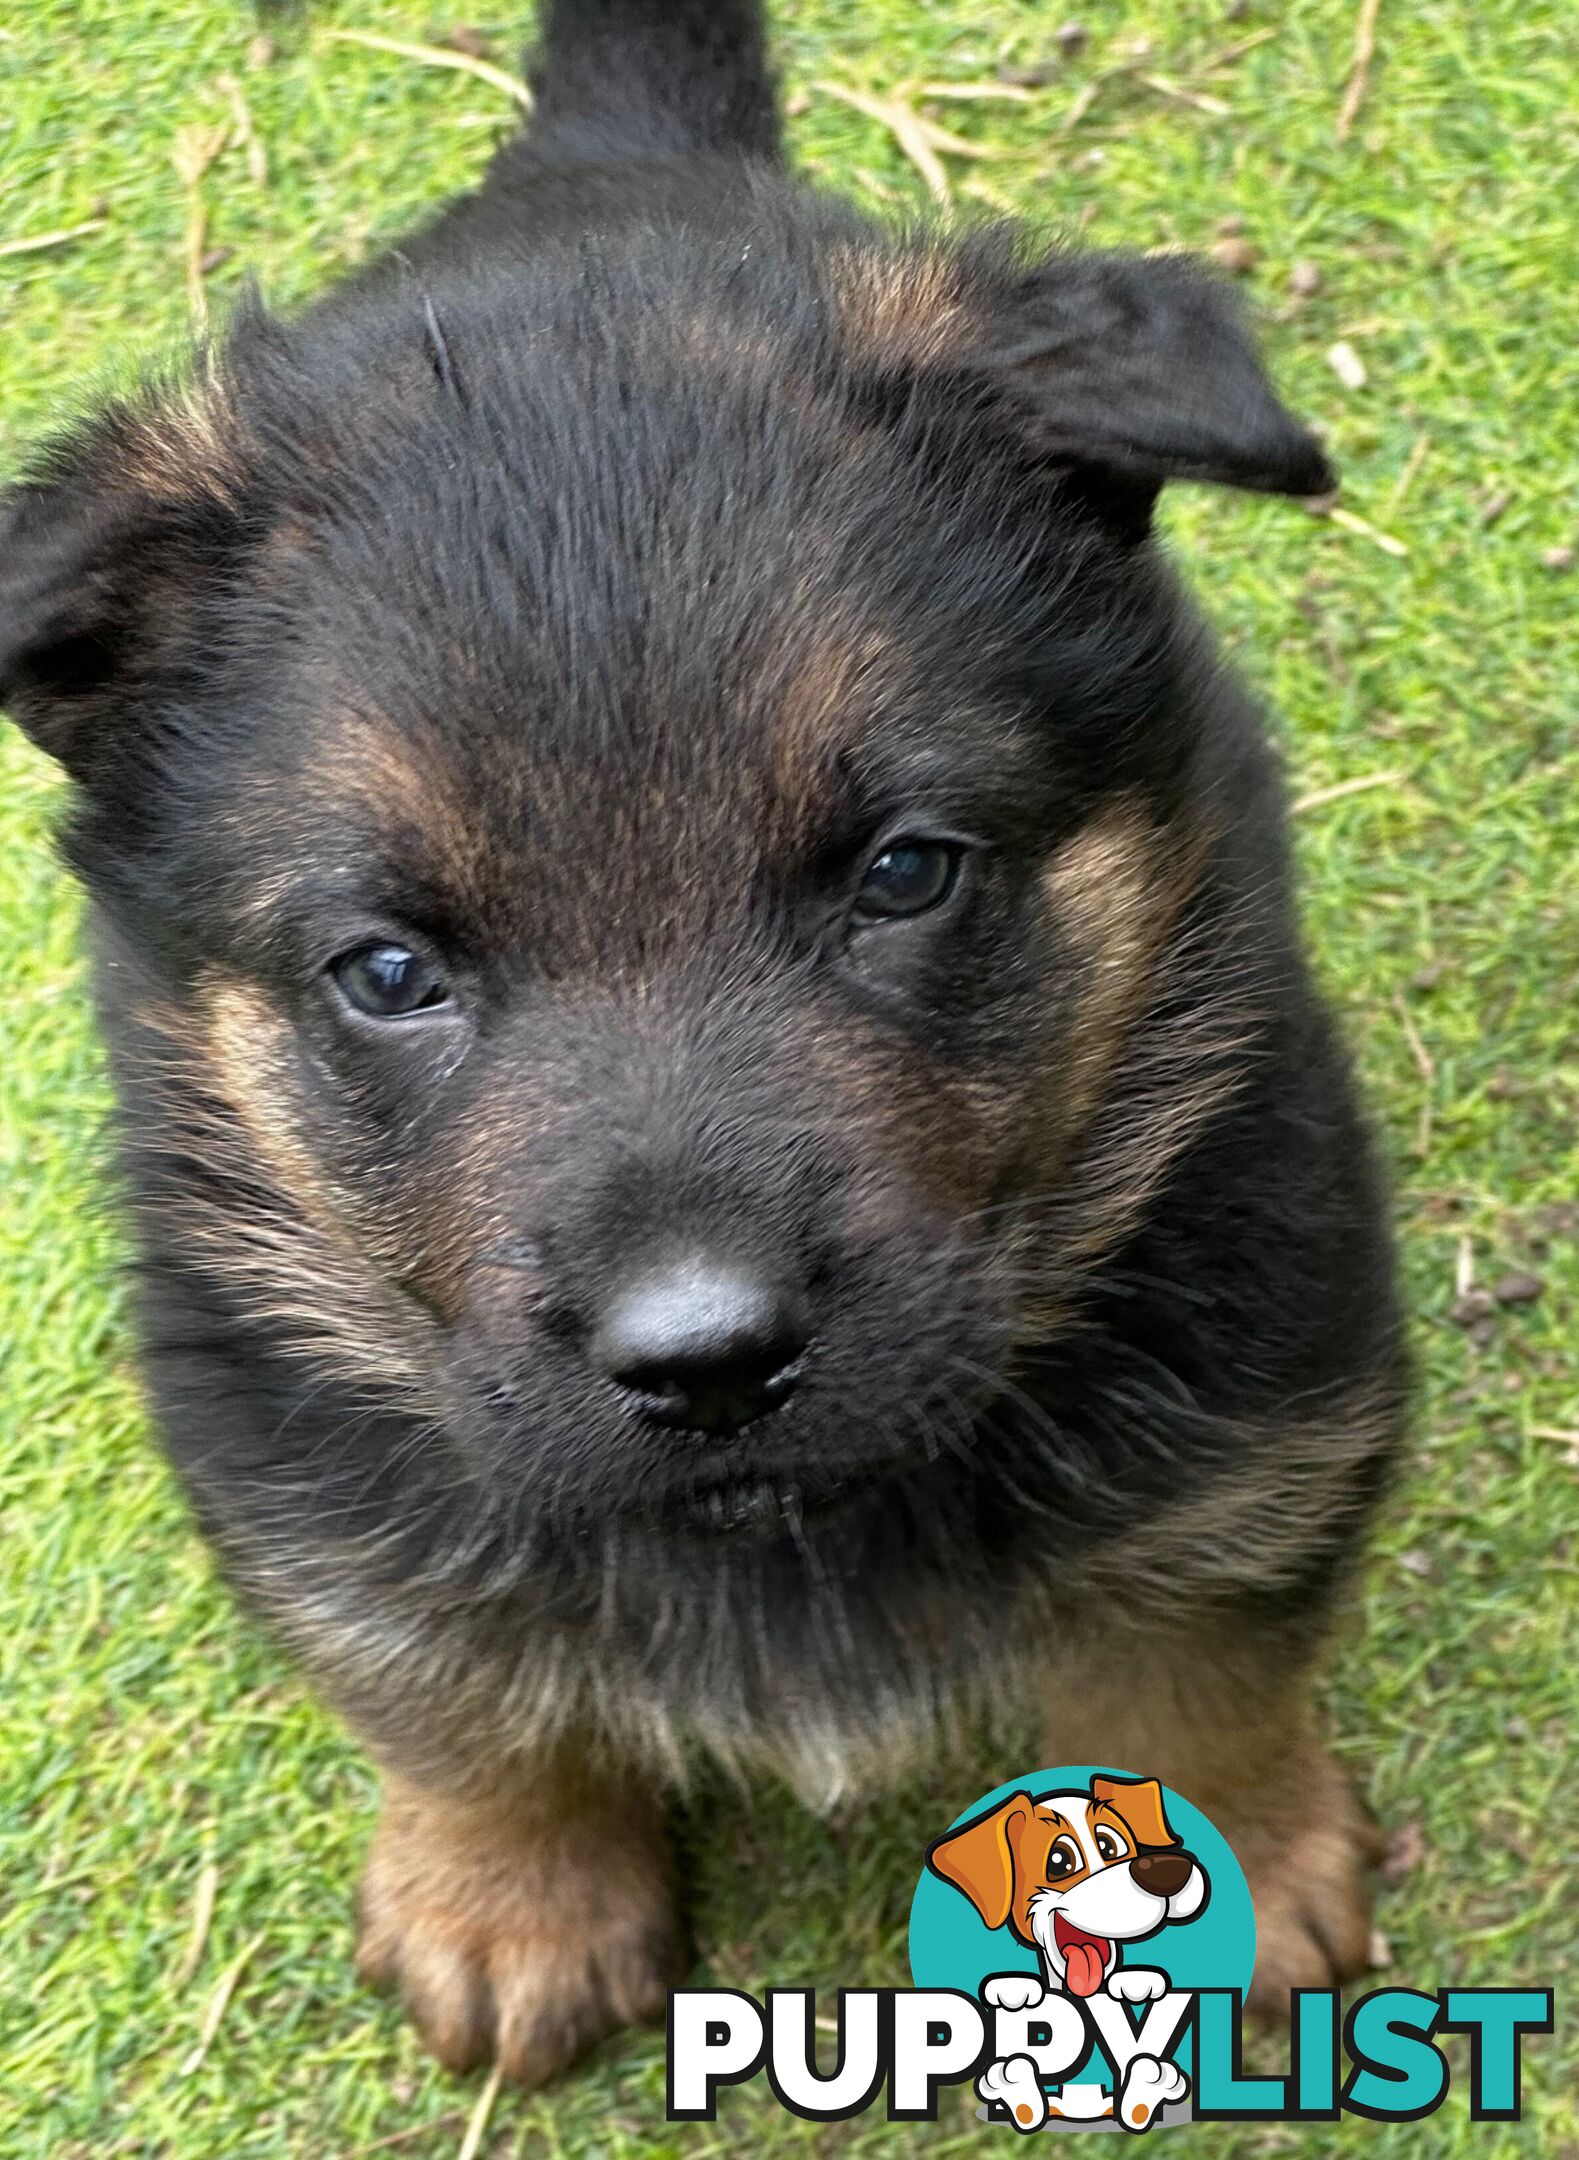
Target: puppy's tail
x=615 y=79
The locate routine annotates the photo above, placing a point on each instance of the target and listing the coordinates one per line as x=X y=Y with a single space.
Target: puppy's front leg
x=524 y=1923
x=1226 y=1719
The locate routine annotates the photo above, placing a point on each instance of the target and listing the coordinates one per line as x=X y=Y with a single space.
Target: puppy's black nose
x=1164 y=1874
x=705 y=1343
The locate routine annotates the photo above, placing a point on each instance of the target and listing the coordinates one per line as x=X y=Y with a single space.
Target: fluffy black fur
x=583 y=594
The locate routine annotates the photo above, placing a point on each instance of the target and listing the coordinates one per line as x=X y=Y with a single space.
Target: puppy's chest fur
x=836 y=1659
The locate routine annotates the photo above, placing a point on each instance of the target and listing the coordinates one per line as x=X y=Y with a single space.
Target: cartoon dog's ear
x=978 y=1858
x=104 y=550
x=1139 y=1801
x=1133 y=371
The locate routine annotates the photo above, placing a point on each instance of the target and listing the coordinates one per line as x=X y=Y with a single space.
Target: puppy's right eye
x=387 y=982
x=1063 y=1859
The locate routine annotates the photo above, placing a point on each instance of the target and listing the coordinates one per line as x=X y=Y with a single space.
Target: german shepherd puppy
x=732 y=1148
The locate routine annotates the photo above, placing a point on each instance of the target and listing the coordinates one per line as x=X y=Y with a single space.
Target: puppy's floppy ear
x=103 y=549
x=978 y=1858
x=1135 y=371
x=1139 y=1801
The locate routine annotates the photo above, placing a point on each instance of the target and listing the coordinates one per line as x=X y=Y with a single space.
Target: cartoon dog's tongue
x=1085 y=1956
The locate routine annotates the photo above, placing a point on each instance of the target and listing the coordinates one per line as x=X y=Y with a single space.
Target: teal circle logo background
x=951 y=1947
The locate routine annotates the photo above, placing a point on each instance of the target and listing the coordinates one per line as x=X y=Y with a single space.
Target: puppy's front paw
x=1309 y=1881
x=1141 y=1983
x=515 y=1937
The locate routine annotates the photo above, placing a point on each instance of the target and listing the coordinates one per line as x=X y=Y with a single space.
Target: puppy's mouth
x=1086 y=1957
x=721 y=1499
x=762 y=1481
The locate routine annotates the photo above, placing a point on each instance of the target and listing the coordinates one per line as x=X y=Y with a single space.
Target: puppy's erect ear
x=1135 y=371
x=1139 y=1801
x=103 y=550
x=978 y=1858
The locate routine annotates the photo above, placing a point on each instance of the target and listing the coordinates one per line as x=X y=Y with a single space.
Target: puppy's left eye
x=387 y=982
x=907 y=879
x=1110 y=1846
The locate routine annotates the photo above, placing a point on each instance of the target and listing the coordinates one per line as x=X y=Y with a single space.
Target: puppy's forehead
x=508 y=795
x=610 y=541
x=821 y=709
x=681 y=636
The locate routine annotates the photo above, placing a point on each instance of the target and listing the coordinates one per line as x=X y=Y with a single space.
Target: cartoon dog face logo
x=1075 y=1874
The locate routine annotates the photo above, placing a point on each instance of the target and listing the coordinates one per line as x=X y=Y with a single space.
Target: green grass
x=145 y=1732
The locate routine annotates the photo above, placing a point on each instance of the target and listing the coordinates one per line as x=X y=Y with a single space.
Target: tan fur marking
x=1156 y=1053
x=829 y=694
x=899 y=311
x=407 y=789
x=248 y=1050
x=403 y=788
x=188 y=447
x=523 y=1926
x=277 y=1237
x=1293 y=1481
x=1223 y=1722
x=1109 y=890
x=1135 y=1089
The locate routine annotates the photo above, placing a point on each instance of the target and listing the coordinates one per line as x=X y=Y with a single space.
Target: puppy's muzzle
x=1164 y=1874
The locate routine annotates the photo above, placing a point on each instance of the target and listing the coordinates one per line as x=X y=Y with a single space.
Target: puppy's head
x=653 y=800
x=1076 y=1874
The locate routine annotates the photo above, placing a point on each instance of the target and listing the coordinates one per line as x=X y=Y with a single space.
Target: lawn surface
x=150 y=1745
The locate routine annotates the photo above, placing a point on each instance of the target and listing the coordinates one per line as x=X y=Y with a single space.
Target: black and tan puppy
x=731 y=1144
